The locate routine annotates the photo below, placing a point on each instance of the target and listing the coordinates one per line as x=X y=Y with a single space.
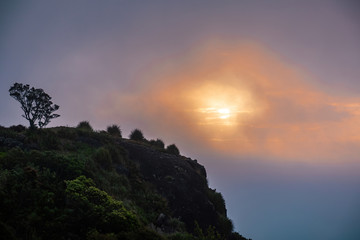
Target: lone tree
x=36 y=104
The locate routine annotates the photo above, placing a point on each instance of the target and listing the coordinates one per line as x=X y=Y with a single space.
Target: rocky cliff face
x=182 y=181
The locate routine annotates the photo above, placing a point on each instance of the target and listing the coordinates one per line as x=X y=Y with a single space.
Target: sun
x=215 y=104
x=224 y=113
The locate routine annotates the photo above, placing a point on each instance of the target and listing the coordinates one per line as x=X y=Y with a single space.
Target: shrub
x=217 y=199
x=68 y=133
x=85 y=125
x=47 y=139
x=136 y=135
x=95 y=208
x=114 y=130
x=181 y=236
x=95 y=235
x=117 y=153
x=18 y=128
x=173 y=149
x=157 y=143
x=140 y=234
x=225 y=225
x=102 y=157
x=236 y=236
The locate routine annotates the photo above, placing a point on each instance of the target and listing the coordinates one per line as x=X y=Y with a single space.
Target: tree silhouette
x=36 y=104
x=136 y=135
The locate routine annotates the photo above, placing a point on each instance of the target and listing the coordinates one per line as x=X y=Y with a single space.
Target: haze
x=264 y=94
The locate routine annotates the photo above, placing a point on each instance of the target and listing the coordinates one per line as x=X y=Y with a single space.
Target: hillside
x=75 y=183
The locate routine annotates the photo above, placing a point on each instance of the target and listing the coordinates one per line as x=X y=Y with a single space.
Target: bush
x=85 y=125
x=118 y=154
x=217 y=199
x=181 y=236
x=102 y=157
x=18 y=128
x=141 y=234
x=173 y=149
x=65 y=132
x=114 y=130
x=95 y=208
x=136 y=135
x=236 y=236
x=225 y=225
x=157 y=143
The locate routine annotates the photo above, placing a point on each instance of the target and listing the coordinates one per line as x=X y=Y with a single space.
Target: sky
x=264 y=94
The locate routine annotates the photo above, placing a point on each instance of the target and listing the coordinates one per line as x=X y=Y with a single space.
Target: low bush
x=157 y=143
x=114 y=130
x=84 y=125
x=18 y=128
x=173 y=149
x=136 y=135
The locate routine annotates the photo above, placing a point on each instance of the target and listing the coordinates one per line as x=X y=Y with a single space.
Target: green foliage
x=118 y=153
x=181 y=236
x=141 y=234
x=36 y=104
x=43 y=138
x=198 y=232
x=67 y=133
x=71 y=183
x=103 y=158
x=94 y=208
x=85 y=125
x=65 y=166
x=136 y=135
x=173 y=149
x=152 y=203
x=114 y=130
x=95 y=235
x=211 y=233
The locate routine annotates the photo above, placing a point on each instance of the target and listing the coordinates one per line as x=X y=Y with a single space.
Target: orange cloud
x=245 y=100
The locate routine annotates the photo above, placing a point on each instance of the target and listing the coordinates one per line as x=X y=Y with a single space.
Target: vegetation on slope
x=74 y=183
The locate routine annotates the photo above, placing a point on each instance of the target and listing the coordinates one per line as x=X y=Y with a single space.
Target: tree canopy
x=36 y=104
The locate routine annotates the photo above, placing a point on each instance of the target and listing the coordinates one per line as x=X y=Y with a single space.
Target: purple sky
x=286 y=159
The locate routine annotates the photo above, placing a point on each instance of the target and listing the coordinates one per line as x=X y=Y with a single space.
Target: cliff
x=73 y=183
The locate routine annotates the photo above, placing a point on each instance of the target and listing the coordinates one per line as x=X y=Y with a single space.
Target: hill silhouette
x=76 y=183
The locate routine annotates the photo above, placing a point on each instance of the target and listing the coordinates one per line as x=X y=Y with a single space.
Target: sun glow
x=221 y=105
x=224 y=113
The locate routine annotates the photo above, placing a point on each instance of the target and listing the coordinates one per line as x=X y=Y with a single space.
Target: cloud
x=241 y=99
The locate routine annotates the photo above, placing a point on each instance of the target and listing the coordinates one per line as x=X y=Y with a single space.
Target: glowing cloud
x=244 y=100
